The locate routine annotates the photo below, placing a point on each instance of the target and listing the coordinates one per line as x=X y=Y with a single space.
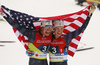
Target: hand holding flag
x=91 y=10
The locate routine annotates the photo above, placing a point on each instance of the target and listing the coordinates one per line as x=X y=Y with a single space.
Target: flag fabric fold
x=72 y=22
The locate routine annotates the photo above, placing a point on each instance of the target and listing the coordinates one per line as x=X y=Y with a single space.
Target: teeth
x=47 y=32
x=59 y=33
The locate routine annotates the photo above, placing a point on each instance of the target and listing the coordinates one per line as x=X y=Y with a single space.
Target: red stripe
x=66 y=31
x=1 y=10
x=69 y=19
x=62 y=16
x=74 y=26
x=83 y=32
x=37 y=27
x=78 y=38
x=86 y=12
x=70 y=53
x=23 y=39
x=81 y=19
x=73 y=45
x=26 y=47
x=14 y=30
x=19 y=38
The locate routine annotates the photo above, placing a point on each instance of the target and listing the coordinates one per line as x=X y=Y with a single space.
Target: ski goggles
x=46 y=27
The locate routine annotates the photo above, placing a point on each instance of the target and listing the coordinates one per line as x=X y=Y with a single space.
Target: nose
x=49 y=29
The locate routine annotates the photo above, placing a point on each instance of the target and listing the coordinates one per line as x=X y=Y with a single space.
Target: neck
x=42 y=32
x=56 y=36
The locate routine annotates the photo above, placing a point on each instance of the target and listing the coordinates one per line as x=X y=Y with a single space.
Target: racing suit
x=59 y=47
x=38 y=43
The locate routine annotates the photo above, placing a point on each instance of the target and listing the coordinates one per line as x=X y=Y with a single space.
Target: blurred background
x=12 y=51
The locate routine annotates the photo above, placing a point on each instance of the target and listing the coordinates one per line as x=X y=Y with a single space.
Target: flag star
x=21 y=19
x=9 y=11
x=18 y=13
x=29 y=22
x=11 y=15
x=15 y=13
x=20 y=24
x=24 y=23
x=12 y=18
x=26 y=26
x=17 y=18
x=24 y=15
x=31 y=18
x=31 y=27
x=21 y=16
x=27 y=18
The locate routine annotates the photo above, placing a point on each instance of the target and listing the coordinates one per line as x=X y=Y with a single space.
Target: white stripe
x=70 y=28
x=75 y=16
x=64 y=57
x=80 y=34
x=17 y=34
x=7 y=12
x=67 y=23
x=72 y=49
x=37 y=23
x=26 y=44
x=75 y=41
x=78 y=23
x=86 y=9
x=25 y=38
x=23 y=43
x=63 y=33
x=83 y=16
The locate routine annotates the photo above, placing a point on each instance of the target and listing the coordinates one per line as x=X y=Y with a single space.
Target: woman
x=60 y=43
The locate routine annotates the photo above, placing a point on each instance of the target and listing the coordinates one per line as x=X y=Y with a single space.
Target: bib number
x=54 y=50
x=44 y=48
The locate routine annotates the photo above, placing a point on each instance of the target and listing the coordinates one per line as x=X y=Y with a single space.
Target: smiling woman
x=39 y=8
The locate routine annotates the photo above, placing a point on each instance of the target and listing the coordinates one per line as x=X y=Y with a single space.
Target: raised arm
x=71 y=35
x=23 y=19
x=19 y=26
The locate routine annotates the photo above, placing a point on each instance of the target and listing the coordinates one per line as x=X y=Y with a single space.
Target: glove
x=30 y=53
x=92 y=8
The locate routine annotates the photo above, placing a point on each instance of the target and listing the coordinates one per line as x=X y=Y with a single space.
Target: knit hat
x=58 y=22
x=46 y=22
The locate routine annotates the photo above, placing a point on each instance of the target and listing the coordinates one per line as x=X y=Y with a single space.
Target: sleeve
x=71 y=35
x=72 y=39
x=76 y=20
x=22 y=25
x=23 y=19
x=28 y=33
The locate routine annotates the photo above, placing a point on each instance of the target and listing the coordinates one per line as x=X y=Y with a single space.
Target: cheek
x=56 y=31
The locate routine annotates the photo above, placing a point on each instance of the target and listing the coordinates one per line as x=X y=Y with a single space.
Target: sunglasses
x=46 y=27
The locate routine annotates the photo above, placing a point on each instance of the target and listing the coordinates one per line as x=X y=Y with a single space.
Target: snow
x=14 y=53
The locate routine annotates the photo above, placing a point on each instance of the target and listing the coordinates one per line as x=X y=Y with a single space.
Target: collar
x=41 y=34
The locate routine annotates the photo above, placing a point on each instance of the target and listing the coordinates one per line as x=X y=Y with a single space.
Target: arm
x=71 y=35
x=24 y=19
x=91 y=10
x=31 y=35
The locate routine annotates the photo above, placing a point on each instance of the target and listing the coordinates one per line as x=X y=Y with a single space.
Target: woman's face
x=46 y=30
x=58 y=31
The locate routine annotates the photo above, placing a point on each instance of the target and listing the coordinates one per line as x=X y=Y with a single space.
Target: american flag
x=71 y=23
